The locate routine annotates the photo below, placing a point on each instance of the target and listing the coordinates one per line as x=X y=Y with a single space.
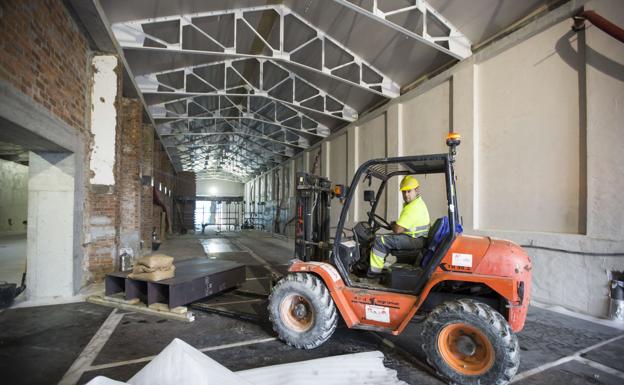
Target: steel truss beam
x=282 y=137
x=459 y=46
x=214 y=78
x=243 y=116
x=267 y=113
x=239 y=133
x=216 y=33
x=220 y=175
x=236 y=161
x=233 y=161
x=240 y=154
x=283 y=150
x=192 y=152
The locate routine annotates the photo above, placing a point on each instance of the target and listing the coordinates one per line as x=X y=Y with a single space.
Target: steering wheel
x=379 y=221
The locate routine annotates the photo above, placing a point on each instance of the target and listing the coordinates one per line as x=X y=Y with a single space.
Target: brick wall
x=102 y=207
x=184 y=208
x=147 y=204
x=103 y=231
x=164 y=176
x=129 y=178
x=45 y=56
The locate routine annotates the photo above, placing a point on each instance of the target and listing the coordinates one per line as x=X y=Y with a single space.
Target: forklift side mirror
x=369 y=196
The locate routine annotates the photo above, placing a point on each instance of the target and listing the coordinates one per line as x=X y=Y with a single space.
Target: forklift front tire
x=469 y=343
x=302 y=311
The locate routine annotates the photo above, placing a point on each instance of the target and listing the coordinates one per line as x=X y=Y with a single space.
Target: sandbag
x=154 y=276
x=155 y=261
x=138 y=269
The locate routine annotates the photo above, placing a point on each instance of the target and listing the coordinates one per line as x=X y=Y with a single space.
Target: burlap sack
x=155 y=262
x=154 y=276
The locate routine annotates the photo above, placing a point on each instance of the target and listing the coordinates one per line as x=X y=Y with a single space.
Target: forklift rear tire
x=468 y=342
x=302 y=311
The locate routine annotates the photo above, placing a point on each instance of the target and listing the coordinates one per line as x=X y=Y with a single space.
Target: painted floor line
x=601 y=367
x=93 y=348
x=208 y=349
x=562 y=360
x=256 y=257
x=564 y=311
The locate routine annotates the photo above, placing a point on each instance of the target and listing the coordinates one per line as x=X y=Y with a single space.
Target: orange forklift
x=471 y=293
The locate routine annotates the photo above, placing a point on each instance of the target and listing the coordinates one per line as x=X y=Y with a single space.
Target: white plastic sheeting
x=359 y=368
x=180 y=363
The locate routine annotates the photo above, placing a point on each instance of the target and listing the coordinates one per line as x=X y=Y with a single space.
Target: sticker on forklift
x=328 y=269
x=378 y=313
x=464 y=260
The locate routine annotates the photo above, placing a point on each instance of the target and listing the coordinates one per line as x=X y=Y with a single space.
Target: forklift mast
x=312 y=226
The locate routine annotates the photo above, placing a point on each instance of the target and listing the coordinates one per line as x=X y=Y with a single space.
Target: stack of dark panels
x=194 y=279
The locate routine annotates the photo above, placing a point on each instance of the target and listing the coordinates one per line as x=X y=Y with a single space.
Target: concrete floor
x=12 y=256
x=39 y=344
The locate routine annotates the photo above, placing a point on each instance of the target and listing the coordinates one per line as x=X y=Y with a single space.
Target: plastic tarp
x=180 y=363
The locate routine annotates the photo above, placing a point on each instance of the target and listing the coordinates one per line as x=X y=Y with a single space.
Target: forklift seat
x=411 y=256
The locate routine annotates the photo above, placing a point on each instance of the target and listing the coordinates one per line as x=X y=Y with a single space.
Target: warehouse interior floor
x=74 y=342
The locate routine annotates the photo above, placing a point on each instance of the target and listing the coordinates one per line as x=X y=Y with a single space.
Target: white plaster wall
x=103 y=119
x=315 y=161
x=529 y=137
x=371 y=144
x=217 y=187
x=337 y=172
x=605 y=126
x=519 y=105
x=13 y=196
x=299 y=163
x=50 y=220
x=268 y=186
x=425 y=125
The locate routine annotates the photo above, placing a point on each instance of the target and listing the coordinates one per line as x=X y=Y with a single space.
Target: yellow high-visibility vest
x=415 y=218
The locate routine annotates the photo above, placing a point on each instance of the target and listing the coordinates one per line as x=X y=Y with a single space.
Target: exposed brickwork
x=129 y=178
x=45 y=56
x=184 y=208
x=164 y=176
x=103 y=232
x=103 y=208
x=147 y=204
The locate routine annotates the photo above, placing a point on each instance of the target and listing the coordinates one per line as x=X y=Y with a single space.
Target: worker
x=409 y=231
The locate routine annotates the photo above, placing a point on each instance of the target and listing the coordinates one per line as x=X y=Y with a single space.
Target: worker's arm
x=397 y=229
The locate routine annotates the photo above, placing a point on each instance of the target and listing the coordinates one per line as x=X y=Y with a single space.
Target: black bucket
x=8 y=291
x=617 y=285
x=616 y=304
x=617 y=290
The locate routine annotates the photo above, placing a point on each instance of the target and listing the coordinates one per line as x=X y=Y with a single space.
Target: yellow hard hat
x=409 y=183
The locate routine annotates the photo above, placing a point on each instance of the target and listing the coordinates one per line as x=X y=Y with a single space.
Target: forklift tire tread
x=310 y=291
x=494 y=364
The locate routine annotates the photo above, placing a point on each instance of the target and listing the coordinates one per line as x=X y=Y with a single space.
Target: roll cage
x=386 y=168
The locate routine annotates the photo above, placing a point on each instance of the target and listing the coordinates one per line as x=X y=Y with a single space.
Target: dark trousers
x=385 y=244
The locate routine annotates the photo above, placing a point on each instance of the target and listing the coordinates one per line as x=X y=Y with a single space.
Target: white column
x=50 y=225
